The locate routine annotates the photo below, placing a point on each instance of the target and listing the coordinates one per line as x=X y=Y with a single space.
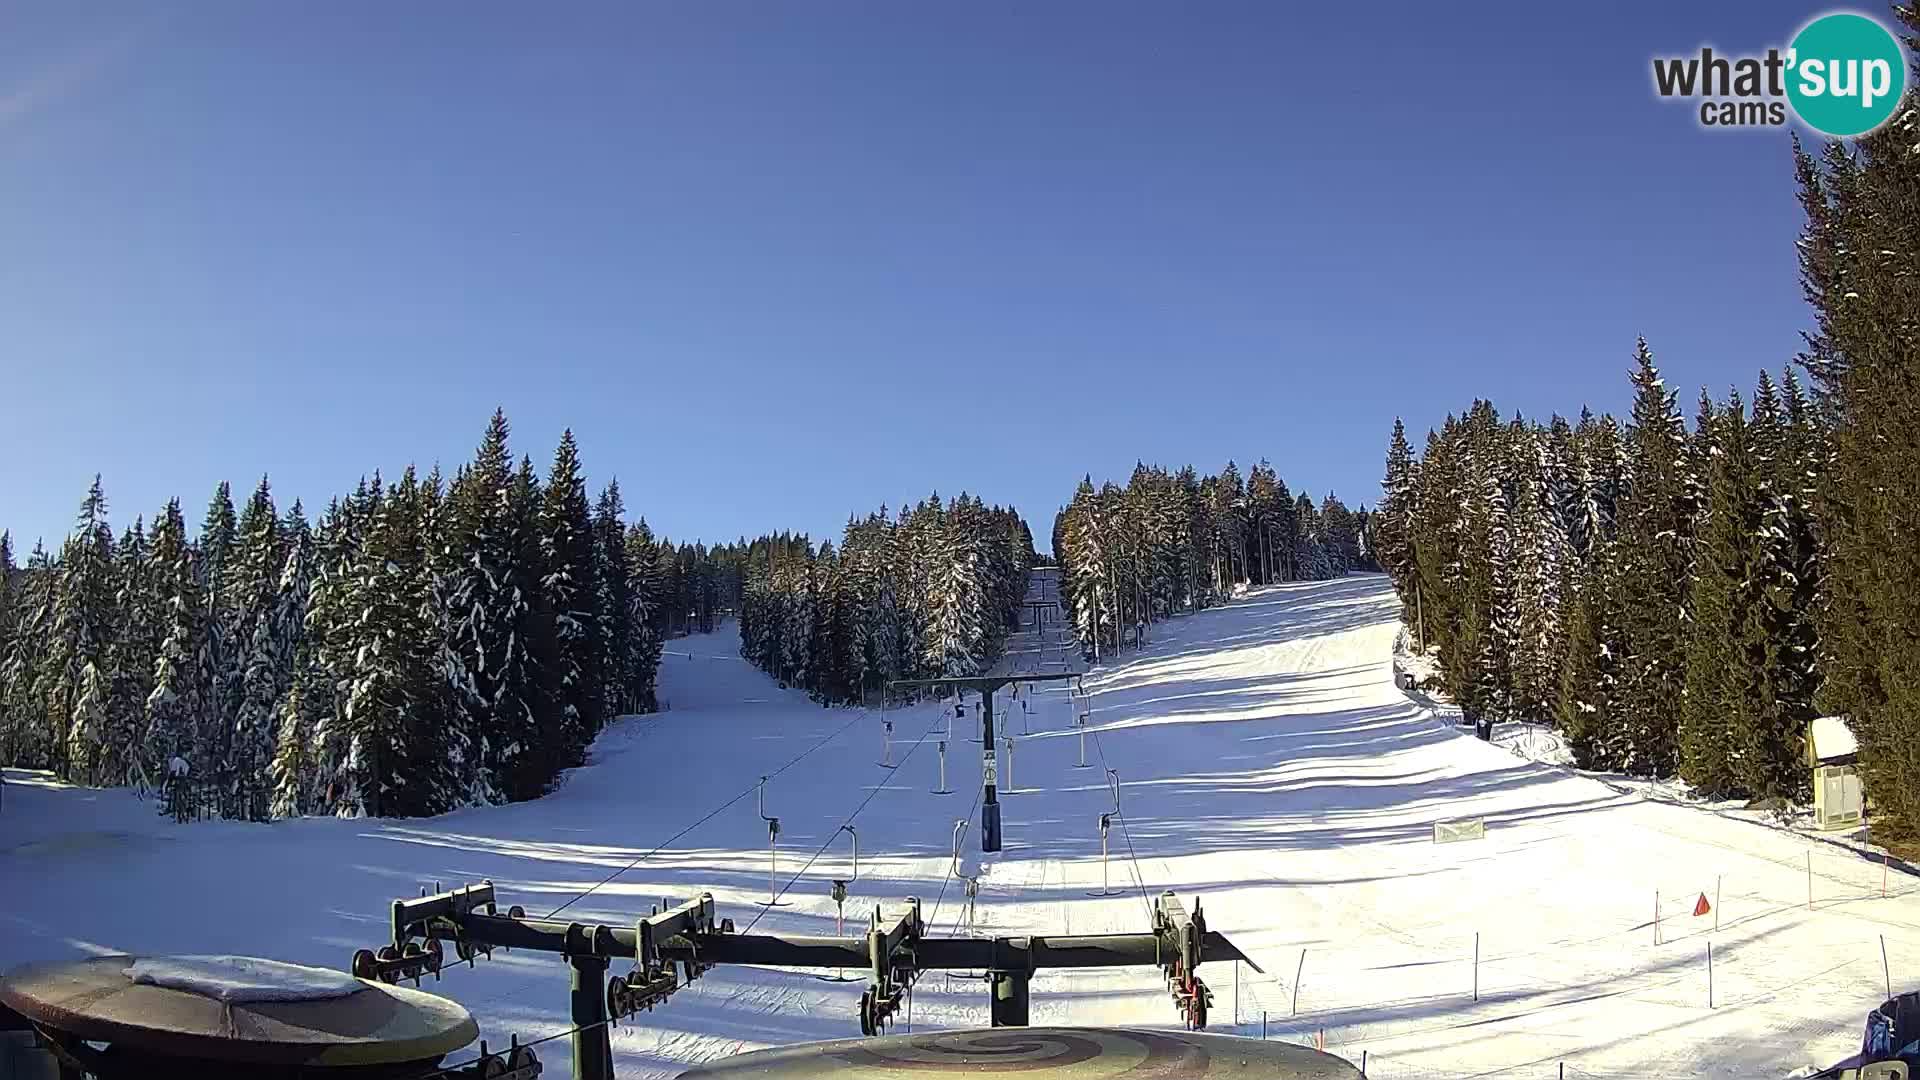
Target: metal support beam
x=894 y=951
x=1009 y=1005
x=651 y=932
x=720 y=946
x=990 y=797
x=586 y=998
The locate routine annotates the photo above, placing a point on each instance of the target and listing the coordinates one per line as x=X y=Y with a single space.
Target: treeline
x=931 y=593
x=1172 y=542
x=1684 y=601
x=1645 y=587
x=425 y=645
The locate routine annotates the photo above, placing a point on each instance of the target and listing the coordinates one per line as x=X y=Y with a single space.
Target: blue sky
x=778 y=261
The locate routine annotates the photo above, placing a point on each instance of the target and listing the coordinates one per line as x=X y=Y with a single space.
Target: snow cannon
x=233 y=1017
x=1034 y=1053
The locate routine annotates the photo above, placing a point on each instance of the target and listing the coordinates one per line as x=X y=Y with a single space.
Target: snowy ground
x=1541 y=743
x=1268 y=765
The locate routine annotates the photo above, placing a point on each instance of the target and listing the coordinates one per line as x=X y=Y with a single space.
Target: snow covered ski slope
x=1266 y=763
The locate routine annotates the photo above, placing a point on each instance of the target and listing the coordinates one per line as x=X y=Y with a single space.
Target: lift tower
x=989 y=769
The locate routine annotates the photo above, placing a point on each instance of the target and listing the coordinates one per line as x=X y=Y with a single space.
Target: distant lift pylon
x=985 y=685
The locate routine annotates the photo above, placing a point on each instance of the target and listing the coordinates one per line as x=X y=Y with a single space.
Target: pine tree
x=552 y=747
x=323 y=683
x=570 y=586
x=1589 y=684
x=258 y=671
x=1653 y=539
x=130 y=663
x=294 y=770
x=1394 y=515
x=398 y=703
x=12 y=718
x=220 y=698
x=176 y=706
x=1782 y=556
x=643 y=658
x=1341 y=535
x=1542 y=555
x=25 y=665
x=465 y=775
x=491 y=592
x=1795 y=589
x=1857 y=263
x=1491 y=691
x=614 y=603
x=291 y=778
x=1262 y=515
x=1718 y=712
x=1311 y=561
x=1084 y=564
x=958 y=627
x=1230 y=527
x=1439 y=529
x=85 y=616
x=289 y=608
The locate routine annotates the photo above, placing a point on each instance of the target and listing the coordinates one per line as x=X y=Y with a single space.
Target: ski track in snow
x=1268 y=766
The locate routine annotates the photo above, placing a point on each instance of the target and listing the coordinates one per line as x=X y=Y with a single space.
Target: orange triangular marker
x=1702 y=907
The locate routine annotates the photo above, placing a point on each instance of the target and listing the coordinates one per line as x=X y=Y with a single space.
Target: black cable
x=798 y=874
x=783 y=890
x=715 y=812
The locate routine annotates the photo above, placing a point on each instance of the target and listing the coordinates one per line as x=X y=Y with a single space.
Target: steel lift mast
x=989 y=768
x=671 y=948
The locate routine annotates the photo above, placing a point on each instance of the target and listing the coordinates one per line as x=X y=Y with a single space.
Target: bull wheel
x=363 y=964
x=867 y=1025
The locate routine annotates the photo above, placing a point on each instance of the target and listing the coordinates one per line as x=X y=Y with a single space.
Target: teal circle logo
x=1846 y=74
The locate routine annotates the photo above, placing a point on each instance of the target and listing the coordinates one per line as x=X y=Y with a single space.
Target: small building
x=1832 y=753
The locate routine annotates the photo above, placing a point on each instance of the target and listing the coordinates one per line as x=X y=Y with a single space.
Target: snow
x=1267 y=764
x=238 y=979
x=1832 y=738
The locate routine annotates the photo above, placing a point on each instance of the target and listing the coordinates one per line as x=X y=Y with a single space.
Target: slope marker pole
x=1885 y=968
x=1297 y=969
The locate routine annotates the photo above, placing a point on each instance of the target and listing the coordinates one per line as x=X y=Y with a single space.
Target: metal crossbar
x=671 y=948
